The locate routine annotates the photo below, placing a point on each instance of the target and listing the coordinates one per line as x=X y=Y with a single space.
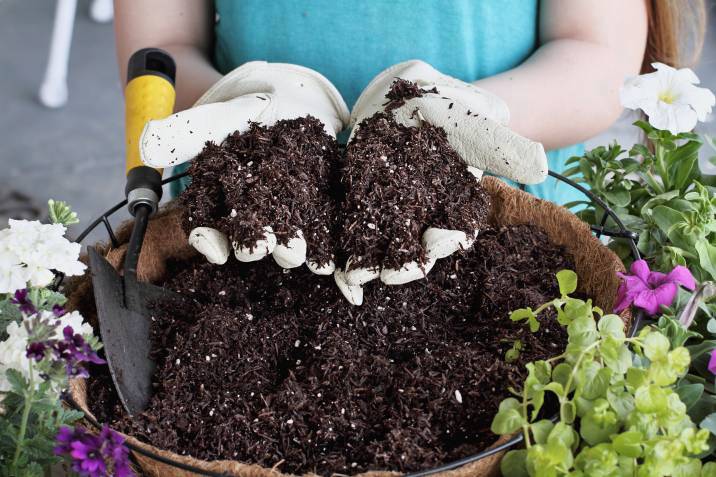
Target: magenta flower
x=649 y=290
x=712 y=362
x=94 y=455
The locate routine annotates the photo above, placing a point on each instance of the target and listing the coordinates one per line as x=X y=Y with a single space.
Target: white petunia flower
x=669 y=98
x=13 y=349
x=12 y=354
x=30 y=250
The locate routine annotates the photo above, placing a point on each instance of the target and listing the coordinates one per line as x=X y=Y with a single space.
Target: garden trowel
x=122 y=301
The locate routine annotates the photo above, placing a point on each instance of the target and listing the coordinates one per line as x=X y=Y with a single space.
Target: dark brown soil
x=279 y=177
x=274 y=367
x=399 y=181
x=402 y=90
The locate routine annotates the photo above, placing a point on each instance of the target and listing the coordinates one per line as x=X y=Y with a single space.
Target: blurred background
x=75 y=152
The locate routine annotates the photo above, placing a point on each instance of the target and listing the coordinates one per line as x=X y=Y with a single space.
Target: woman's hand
x=256 y=92
x=474 y=121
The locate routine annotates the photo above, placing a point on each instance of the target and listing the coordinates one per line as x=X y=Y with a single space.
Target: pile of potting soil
x=280 y=176
x=274 y=367
x=399 y=181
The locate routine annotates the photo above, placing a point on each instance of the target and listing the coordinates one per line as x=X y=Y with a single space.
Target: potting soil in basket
x=274 y=367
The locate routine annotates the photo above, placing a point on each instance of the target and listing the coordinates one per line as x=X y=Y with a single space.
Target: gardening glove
x=475 y=122
x=256 y=92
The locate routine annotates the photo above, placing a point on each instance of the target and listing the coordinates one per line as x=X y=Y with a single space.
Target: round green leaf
x=561 y=373
x=650 y=399
x=620 y=198
x=514 y=463
x=628 y=443
x=594 y=380
x=621 y=401
x=656 y=346
x=611 y=325
x=597 y=427
x=567 y=281
x=508 y=418
x=709 y=469
x=541 y=430
x=690 y=468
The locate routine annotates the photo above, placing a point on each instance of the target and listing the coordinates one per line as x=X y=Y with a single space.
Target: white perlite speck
x=289 y=422
x=458 y=396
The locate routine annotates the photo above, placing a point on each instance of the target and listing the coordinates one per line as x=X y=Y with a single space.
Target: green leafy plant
x=567 y=281
x=658 y=191
x=32 y=418
x=61 y=213
x=513 y=354
x=618 y=412
x=690 y=322
x=42 y=347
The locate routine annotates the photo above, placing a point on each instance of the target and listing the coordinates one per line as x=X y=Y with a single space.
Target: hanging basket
x=595 y=265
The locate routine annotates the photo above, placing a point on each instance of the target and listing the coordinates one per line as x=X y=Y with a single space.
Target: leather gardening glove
x=256 y=92
x=475 y=122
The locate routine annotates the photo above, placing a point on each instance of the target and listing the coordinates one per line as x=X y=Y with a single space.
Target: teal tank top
x=351 y=41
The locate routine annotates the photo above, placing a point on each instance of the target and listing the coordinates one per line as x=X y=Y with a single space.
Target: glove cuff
x=295 y=83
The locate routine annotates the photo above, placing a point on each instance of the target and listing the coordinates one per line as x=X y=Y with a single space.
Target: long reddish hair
x=676 y=32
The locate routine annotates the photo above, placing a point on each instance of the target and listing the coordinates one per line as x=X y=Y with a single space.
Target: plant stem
x=526 y=427
x=576 y=368
x=25 y=417
x=661 y=167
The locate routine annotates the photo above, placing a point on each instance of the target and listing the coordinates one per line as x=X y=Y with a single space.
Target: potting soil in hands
x=275 y=367
x=281 y=177
x=399 y=181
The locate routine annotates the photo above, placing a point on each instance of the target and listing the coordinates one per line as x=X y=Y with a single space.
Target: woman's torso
x=350 y=41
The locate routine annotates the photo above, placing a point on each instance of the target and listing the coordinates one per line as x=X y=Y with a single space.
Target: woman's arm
x=568 y=90
x=181 y=27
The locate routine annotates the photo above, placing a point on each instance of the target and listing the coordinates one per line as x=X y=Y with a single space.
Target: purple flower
x=36 y=351
x=712 y=362
x=649 y=290
x=76 y=348
x=94 y=455
x=58 y=311
x=23 y=302
x=72 y=350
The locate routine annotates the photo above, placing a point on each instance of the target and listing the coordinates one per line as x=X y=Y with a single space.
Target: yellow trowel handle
x=149 y=95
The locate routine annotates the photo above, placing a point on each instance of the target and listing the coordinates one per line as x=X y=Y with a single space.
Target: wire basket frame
x=599 y=231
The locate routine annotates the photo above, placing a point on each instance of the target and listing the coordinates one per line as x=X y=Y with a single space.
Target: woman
x=558 y=65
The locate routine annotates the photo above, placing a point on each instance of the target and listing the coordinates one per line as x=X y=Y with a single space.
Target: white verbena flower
x=30 y=250
x=13 y=349
x=669 y=97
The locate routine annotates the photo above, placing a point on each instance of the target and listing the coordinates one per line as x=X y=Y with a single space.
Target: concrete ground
x=76 y=153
